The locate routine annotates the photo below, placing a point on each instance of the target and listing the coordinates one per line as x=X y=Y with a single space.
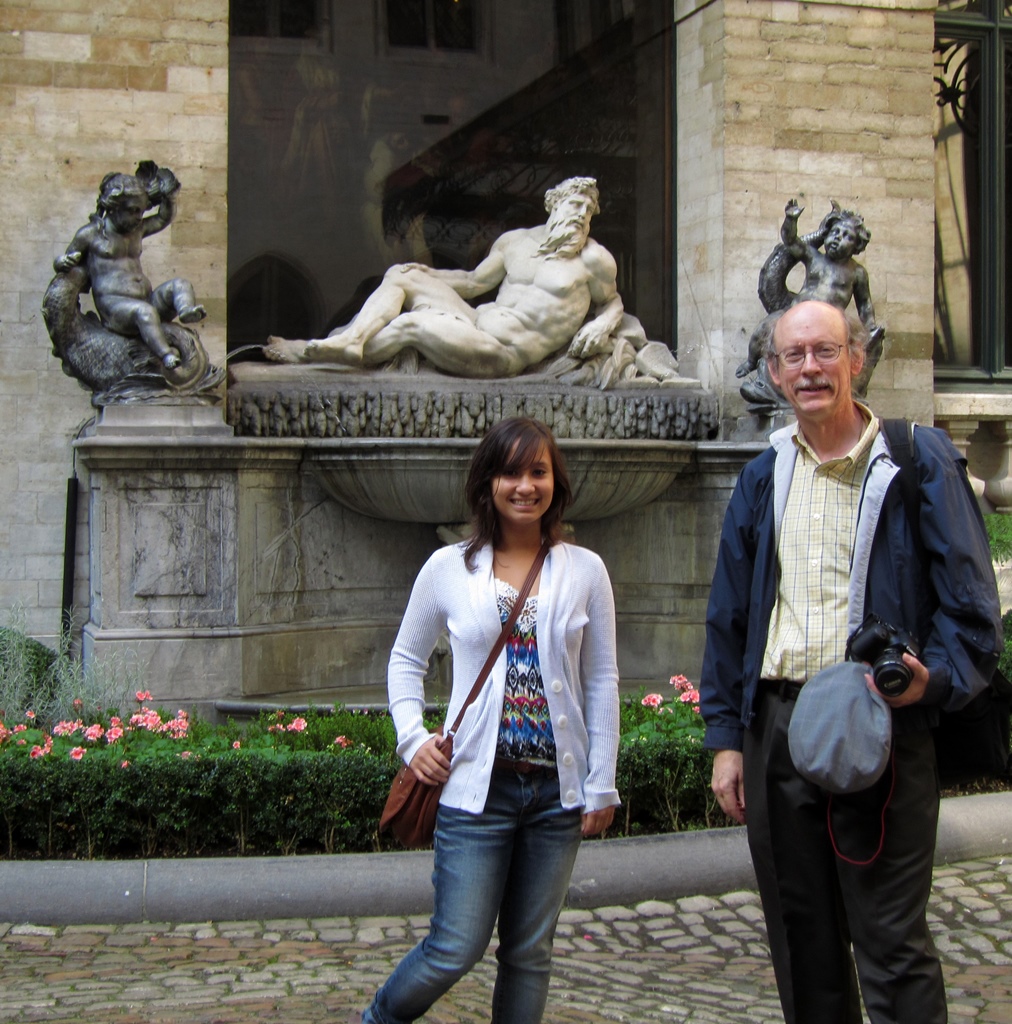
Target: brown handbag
x=410 y=810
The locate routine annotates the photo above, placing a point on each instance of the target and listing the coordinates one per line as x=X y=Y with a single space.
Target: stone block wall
x=815 y=101
x=87 y=88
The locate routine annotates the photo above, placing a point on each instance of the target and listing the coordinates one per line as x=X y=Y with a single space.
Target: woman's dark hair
x=510 y=447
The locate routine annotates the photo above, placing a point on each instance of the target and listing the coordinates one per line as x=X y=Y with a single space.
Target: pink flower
x=77 y=753
x=186 y=755
x=22 y=743
x=67 y=728
x=20 y=727
x=342 y=741
x=298 y=725
x=4 y=732
x=113 y=734
x=142 y=696
x=78 y=703
x=652 y=700
x=236 y=745
x=124 y=764
x=37 y=751
x=689 y=697
x=94 y=732
x=30 y=715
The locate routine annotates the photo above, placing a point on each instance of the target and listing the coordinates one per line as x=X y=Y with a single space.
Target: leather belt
x=506 y=764
x=785 y=689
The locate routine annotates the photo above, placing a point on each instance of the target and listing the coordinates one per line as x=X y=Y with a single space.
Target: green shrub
x=154 y=785
x=80 y=781
x=53 y=684
x=999 y=535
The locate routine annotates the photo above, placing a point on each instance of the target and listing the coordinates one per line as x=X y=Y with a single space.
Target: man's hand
x=728 y=783
x=597 y=821
x=913 y=693
x=430 y=764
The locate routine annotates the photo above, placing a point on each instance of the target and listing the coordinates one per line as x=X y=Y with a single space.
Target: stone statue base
x=316 y=401
x=177 y=417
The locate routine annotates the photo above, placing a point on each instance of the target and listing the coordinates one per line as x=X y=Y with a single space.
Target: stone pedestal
x=162 y=419
x=226 y=570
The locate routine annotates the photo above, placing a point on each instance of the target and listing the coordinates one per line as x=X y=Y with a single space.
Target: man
x=549 y=278
x=815 y=536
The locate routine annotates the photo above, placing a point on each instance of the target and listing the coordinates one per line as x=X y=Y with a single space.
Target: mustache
x=816 y=381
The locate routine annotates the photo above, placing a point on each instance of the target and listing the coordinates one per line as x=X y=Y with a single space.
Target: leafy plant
x=999 y=536
x=97 y=782
x=54 y=684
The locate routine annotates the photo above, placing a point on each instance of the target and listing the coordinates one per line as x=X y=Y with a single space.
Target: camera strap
x=882 y=822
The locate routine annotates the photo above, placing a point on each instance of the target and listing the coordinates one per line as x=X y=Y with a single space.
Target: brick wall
x=813 y=101
x=86 y=88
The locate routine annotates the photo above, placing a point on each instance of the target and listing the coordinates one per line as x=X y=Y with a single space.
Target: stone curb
x=615 y=872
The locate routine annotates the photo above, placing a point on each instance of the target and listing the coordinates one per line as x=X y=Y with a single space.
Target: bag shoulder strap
x=899 y=436
x=504 y=634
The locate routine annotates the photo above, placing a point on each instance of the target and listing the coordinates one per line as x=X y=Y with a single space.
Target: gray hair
x=857 y=333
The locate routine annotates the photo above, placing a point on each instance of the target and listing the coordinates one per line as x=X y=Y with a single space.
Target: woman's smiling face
x=522 y=495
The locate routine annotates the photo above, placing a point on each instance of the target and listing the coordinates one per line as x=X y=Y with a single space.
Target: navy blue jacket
x=948 y=601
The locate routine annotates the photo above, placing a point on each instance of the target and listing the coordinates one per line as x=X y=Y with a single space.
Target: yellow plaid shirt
x=808 y=628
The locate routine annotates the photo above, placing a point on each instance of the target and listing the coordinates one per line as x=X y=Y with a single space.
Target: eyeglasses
x=825 y=354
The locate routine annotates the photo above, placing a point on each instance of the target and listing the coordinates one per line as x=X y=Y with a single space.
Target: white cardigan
x=576 y=651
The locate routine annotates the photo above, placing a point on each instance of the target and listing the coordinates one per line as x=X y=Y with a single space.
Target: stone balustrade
x=980 y=426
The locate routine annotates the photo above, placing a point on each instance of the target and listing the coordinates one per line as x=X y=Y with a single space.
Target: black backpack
x=974 y=741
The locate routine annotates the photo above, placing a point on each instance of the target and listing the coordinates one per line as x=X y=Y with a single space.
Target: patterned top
x=525 y=732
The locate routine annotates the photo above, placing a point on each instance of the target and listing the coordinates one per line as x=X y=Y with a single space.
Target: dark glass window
x=431 y=24
x=406 y=25
x=273 y=19
x=973 y=204
x=347 y=159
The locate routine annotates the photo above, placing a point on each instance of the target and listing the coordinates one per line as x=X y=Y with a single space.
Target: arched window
x=270 y=295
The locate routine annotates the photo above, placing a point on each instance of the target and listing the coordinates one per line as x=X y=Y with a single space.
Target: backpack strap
x=899 y=436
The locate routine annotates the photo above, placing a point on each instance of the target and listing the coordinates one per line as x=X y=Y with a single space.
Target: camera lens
x=891 y=674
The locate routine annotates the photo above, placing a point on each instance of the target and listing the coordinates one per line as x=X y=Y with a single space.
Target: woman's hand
x=595 y=822
x=430 y=764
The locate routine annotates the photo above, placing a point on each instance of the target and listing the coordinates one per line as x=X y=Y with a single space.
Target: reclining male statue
x=549 y=278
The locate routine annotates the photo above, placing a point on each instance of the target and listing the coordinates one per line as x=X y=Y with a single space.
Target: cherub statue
x=831 y=276
x=105 y=257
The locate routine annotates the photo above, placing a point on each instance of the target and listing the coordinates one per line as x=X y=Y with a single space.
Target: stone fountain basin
x=421 y=480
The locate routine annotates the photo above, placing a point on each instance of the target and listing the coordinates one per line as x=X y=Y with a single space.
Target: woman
x=533 y=766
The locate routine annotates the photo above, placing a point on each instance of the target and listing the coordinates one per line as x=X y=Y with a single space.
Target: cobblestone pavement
x=700 y=959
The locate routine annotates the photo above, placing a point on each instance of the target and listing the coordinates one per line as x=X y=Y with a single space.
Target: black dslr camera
x=883 y=646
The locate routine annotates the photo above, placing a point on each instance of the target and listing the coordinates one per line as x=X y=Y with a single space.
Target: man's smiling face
x=817 y=391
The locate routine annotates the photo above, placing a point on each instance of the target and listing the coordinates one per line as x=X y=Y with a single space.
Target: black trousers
x=818 y=905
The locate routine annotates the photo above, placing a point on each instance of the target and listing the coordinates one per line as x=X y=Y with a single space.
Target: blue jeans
x=513 y=860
